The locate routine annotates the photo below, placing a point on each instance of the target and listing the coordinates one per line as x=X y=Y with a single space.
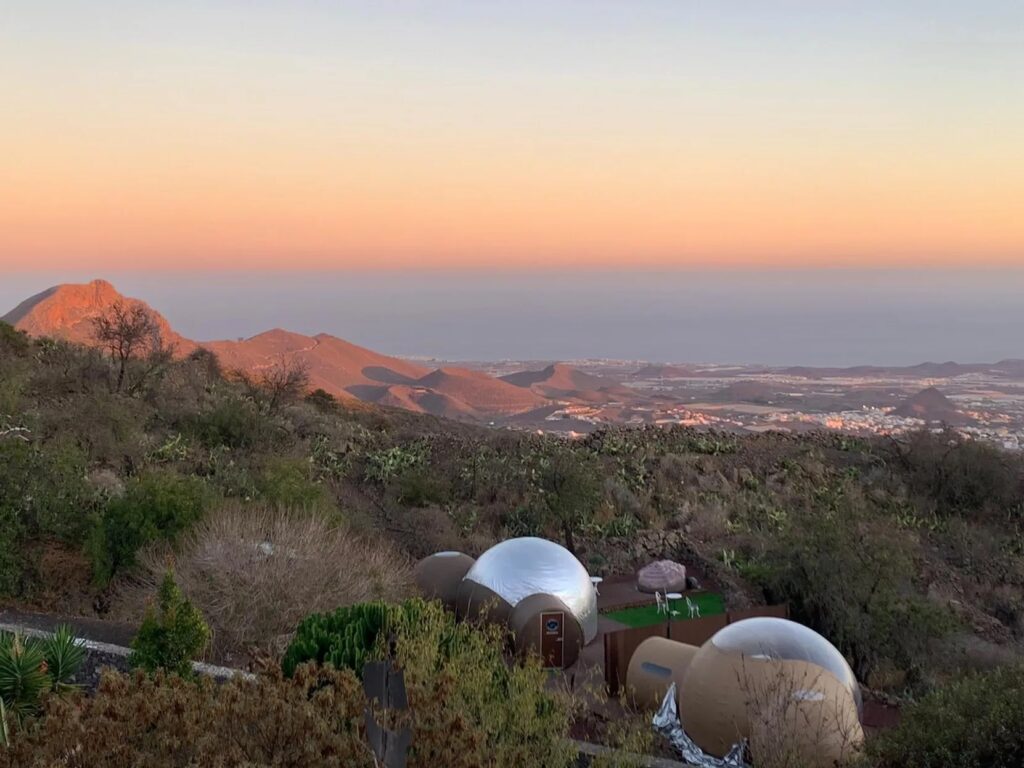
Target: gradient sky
x=361 y=135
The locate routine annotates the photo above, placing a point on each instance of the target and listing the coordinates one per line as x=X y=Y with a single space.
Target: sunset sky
x=329 y=135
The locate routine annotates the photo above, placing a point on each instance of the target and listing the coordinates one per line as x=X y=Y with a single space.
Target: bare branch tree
x=131 y=332
x=276 y=385
x=284 y=382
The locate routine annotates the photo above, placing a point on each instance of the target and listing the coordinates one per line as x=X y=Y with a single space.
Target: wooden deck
x=618 y=592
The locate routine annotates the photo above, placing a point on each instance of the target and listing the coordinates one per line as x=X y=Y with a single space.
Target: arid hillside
x=336 y=366
x=931 y=406
x=68 y=312
x=563 y=382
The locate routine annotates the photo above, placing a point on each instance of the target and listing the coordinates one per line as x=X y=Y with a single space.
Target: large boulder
x=661 y=576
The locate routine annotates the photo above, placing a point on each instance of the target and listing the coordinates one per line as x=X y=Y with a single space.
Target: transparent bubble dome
x=767 y=637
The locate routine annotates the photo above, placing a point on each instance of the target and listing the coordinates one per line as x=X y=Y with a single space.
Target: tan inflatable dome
x=515 y=569
x=778 y=683
x=544 y=625
x=475 y=602
x=657 y=663
x=438 y=576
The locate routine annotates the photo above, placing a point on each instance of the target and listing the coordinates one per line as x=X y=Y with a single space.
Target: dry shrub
x=313 y=720
x=790 y=727
x=1006 y=603
x=467 y=708
x=616 y=723
x=428 y=530
x=706 y=520
x=256 y=571
x=631 y=739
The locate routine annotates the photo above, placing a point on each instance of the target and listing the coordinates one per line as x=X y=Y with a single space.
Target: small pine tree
x=172 y=635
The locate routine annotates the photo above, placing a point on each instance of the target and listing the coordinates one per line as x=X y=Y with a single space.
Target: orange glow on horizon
x=234 y=210
x=158 y=136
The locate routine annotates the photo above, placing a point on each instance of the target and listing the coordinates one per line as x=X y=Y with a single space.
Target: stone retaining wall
x=100 y=655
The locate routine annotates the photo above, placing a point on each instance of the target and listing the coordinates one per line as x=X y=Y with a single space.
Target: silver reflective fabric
x=773 y=638
x=518 y=568
x=666 y=722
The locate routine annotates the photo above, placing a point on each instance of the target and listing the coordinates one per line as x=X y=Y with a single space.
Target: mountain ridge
x=345 y=370
x=560 y=381
x=67 y=311
x=931 y=406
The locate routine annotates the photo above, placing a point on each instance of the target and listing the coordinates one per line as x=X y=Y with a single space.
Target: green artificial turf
x=711 y=603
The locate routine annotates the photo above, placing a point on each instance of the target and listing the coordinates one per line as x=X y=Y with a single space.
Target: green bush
x=43 y=495
x=287 y=483
x=12 y=341
x=418 y=487
x=851 y=579
x=976 y=722
x=323 y=401
x=109 y=430
x=155 y=506
x=172 y=634
x=346 y=639
x=23 y=678
x=963 y=476
x=467 y=706
x=571 y=488
x=233 y=422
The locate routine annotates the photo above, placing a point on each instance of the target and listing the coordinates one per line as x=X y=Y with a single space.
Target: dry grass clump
x=256 y=571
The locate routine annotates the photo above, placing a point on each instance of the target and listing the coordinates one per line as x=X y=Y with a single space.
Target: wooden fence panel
x=696 y=631
x=619 y=647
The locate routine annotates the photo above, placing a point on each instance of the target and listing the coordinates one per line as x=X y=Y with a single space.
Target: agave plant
x=5 y=736
x=23 y=675
x=64 y=657
x=30 y=668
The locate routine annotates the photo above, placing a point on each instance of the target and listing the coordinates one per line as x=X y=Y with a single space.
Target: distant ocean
x=810 y=317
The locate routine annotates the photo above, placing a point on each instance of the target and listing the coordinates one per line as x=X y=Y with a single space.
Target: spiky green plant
x=64 y=657
x=23 y=675
x=344 y=638
x=5 y=737
x=30 y=668
x=355 y=634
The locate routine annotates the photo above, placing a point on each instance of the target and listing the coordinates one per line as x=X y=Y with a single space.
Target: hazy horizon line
x=823 y=318
x=85 y=275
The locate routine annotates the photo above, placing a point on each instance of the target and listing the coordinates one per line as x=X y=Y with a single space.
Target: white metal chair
x=694 y=608
x=662 y=605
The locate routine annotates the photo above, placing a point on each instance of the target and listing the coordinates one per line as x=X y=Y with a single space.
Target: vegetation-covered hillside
x=908 y=555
